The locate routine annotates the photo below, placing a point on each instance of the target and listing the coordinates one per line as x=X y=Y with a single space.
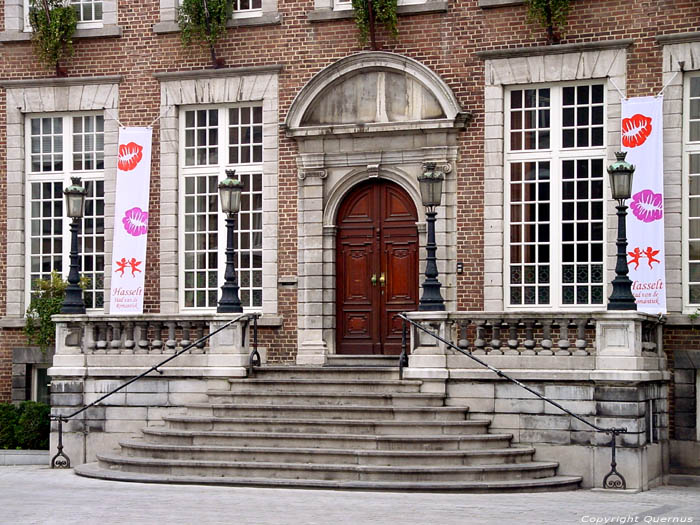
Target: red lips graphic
x=129 y=156
x=635 y=130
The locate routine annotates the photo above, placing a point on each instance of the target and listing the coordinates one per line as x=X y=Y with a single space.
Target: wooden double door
x=376 y=268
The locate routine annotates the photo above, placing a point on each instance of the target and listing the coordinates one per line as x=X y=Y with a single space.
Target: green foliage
x=550 y=14
x=26 y=426
x=33 y=426
x=47 y=298
x=384 y=14
x=53 y=23
x=9 y=415
x=204 y=21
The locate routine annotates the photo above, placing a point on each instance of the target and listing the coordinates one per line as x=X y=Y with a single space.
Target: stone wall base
x=122 y=415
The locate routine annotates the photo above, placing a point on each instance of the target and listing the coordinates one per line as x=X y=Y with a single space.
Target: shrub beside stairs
x=335 y=427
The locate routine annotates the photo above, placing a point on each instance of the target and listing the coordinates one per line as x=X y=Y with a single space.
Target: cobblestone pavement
x=41 y=495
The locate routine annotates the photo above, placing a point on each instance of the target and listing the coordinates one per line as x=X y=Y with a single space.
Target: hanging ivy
x=551 y=15
x=53 y=24
x=368 y=13
x=204 y=21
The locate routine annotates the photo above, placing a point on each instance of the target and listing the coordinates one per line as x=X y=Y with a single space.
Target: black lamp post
x=621 y=174
x=230 y=192
x=75 y=205
x=430 y=182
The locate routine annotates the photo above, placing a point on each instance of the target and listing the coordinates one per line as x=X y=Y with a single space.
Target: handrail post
x=403 y=358
x=254 y=359
x=613 y=479
x=60 y=460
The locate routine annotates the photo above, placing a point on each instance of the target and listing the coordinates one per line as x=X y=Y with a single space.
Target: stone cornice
x=678 y=38
x=558 y=49
x=216 y=73
x=60 y=81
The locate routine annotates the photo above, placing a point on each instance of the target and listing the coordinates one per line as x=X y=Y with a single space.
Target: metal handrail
x=612 y=480
x=61 y=460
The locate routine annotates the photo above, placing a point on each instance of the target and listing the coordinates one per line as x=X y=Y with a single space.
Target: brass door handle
x=373 y=279
x=382 y=280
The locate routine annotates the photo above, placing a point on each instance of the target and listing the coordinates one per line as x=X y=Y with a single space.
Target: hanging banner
x=131 y=221
x=642 y=139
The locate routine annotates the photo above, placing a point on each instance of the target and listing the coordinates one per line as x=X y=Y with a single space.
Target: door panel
x=377 y=236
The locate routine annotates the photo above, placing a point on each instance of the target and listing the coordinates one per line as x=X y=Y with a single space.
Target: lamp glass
x=75 y=199
x=621 y=184
x=230 y=193
x=431 y=189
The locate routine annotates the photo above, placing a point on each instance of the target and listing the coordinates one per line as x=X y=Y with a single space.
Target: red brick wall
x=445 y=42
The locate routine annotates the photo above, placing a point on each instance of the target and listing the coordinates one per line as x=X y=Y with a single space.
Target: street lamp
x=75 y=205
x=230 y=192
x=430 y=182
x=621 y=174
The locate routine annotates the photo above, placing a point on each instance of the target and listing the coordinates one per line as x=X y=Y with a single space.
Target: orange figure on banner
x=133 y=264
x=649 y=253
x=636 y=255
x=122 y=264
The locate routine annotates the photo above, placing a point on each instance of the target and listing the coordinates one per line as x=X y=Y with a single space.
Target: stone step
x=334 y=398
x=324 y=385
x=335 y=456
x=493 y=472
x=387 y=361
x=378 y=373
x=329 y=412
x=327 y=426
x=318 y=440
x=550 y=484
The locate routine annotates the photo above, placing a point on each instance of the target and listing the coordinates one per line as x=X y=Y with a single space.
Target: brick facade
x=446 y=42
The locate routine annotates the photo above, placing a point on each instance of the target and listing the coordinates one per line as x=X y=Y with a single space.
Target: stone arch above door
x=372 y=115
x=372 y=90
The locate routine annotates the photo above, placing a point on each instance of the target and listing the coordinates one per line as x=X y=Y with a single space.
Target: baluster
x=185 y=341
x=513 y=342
x=157 y=342
x=90 y=344
x=581 y=337
x=171 y=343
x=463 y=342
x=142 y=338
x=200 y=333
x=546 y=338
x=563 y=342
x=480 y=342
x=129 y=338
x=496 y=337
x=529 y=342
x=115 y=343
x=101 y=341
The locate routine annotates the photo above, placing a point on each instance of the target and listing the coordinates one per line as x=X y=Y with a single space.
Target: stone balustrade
x=112 y=335
x=533 y=340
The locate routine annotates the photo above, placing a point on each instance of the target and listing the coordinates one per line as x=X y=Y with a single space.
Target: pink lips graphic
x=135 y=221
x=647 y=206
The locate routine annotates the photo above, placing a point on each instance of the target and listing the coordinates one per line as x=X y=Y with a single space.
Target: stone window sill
x=486 y=4
x=108 y=31
x=265 y=19
x=325 y=15
x=518 y=52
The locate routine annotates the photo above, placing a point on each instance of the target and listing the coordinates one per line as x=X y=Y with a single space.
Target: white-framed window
x=554 y=195
x=212 y=140
x=691 y=193
x=89 y=13
x=61 y=146
x=243 y=8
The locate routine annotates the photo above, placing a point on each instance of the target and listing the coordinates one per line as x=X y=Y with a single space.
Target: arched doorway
x=376 y=268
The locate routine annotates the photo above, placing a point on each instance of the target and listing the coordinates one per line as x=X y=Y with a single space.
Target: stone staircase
x=337 y=427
